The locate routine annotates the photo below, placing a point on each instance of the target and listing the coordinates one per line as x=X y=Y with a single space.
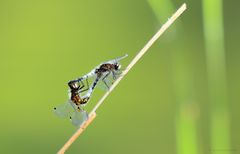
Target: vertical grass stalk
x=187 y=112
x=162 y=9
x=186 y=129
x=216 y=69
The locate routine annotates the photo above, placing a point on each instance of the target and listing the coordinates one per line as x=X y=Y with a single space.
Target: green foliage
x=43 y=44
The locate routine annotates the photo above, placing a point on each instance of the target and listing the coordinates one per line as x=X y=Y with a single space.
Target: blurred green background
x=182 y=97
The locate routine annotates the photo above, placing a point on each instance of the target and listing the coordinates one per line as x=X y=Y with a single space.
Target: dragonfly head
x=117 y=66
x=73 y=85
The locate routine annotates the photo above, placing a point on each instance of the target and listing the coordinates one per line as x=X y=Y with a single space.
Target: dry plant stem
x=77 y=133
x=133 y=62
x=142 y=52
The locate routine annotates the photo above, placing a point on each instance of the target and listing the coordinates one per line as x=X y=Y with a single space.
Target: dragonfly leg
x=103 y=79
x=81 y=86
x=114 y=75
x=84 y=86
x=118 y=72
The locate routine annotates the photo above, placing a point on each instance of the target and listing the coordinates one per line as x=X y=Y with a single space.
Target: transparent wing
x=63 y=110
x=116 y=60
x=107 y=80
x=69 y=110
x=78 y=117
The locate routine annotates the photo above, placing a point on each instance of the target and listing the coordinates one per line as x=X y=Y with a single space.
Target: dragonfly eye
x=117 y=66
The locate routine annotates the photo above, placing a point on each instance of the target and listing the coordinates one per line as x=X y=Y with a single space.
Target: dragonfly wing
x=90 y=74
x=63 y=110
x=106 y=83
x=116 y=60
x=78 y=117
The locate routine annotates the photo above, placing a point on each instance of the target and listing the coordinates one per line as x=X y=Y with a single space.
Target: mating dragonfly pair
x=80 y=91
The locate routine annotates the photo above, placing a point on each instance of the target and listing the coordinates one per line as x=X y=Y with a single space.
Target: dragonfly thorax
x=107 y=68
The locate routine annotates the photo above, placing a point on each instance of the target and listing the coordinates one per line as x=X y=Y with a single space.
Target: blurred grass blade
x=162 y=9
x=214 y=41
x=186 y=129
x=186 y=120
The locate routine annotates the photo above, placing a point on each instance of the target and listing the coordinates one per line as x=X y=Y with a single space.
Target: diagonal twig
x=92 y=114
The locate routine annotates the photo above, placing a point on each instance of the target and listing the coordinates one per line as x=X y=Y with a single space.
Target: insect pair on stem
x=80 y=91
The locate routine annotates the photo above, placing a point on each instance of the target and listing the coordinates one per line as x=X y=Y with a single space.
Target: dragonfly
x=80 y=92
x=107 y=72
x=73 y=108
